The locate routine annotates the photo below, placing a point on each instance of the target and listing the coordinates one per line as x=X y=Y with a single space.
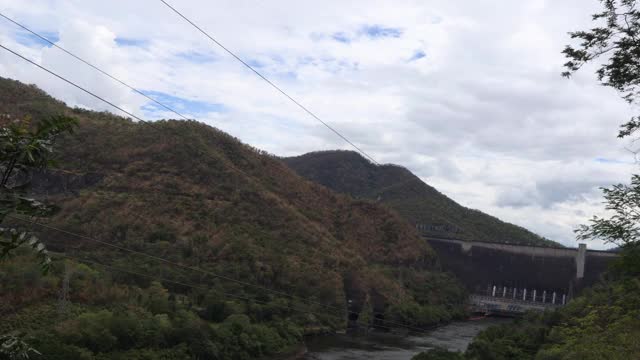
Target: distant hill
x=195 y=195
x=433 y=213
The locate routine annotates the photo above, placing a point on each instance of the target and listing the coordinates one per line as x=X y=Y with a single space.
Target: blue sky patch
x=306 y=60
x=182 y=105
x=366 y=31
x=266 y=61
x=611 y=161
x=379 y=31
x=122 y=41
x=341 y=37
x=30 y=40
x=255 y=63
x=288 y=75
x=419 y=54
x=198 y=57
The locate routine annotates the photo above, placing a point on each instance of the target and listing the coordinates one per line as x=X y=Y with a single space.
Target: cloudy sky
x=466 y=94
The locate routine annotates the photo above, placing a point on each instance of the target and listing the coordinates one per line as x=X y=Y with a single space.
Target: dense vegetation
x=103 y=318
x=198 y=197
x=348 y=172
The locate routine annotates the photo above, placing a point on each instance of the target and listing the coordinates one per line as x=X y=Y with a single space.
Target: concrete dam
x=514 y=278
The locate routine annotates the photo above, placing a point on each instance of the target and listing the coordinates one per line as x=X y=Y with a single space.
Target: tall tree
x=615 y=43
x=622 y=227
x=25 y=147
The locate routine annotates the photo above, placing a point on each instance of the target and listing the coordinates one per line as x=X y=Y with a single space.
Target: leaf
x=15 y=239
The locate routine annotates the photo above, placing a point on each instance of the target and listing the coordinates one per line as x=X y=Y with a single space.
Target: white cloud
x=484 y=116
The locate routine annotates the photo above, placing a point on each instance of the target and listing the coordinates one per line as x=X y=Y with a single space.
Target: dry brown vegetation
x=190 y=193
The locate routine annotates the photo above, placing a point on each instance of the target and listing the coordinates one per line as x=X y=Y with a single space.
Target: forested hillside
x=198 y=197
x=424 y=206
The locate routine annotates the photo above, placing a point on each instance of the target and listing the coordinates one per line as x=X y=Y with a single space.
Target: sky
x=466 y=94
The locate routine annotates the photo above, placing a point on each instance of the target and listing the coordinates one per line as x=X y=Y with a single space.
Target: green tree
x=157 y=298
x=13 y=347
x=23 y=148
x=621 y=227
x=615 y=41
x=91 y=330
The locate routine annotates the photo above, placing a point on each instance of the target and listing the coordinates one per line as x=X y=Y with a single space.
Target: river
x=383 y=346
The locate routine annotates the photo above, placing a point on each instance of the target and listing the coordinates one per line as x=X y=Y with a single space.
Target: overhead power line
x=197 y=287
x=153 y=257
x=126 y=112
x=104 y=242
x=92 y=66
x=74 y=84
x=163 y=105
x=161 y=130
x=191 y=268
x=273 y=85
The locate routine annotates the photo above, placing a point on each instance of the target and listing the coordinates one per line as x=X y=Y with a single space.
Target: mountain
x=198 y=197
x=433 y=213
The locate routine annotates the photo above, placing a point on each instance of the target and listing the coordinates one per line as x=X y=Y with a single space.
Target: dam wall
x=482 y=265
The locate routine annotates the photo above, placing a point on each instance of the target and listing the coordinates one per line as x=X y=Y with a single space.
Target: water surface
x=383 y=346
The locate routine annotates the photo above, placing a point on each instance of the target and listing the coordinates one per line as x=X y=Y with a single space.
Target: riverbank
x=377 y=345
x=296 y=352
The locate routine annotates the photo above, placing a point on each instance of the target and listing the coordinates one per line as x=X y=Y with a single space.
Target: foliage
x=157 y=298
x=437 y=298
x=13 y=347
x=614 y=41
x=24 y=148
x=520 y=340
x=622 y=228
x=605 y=322
x=417 y=315
x=14 y=239
x=628 y=263
x=132 y=327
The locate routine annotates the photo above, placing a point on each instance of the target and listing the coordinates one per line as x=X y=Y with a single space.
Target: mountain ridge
x=197 y=196
x=430 y=211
